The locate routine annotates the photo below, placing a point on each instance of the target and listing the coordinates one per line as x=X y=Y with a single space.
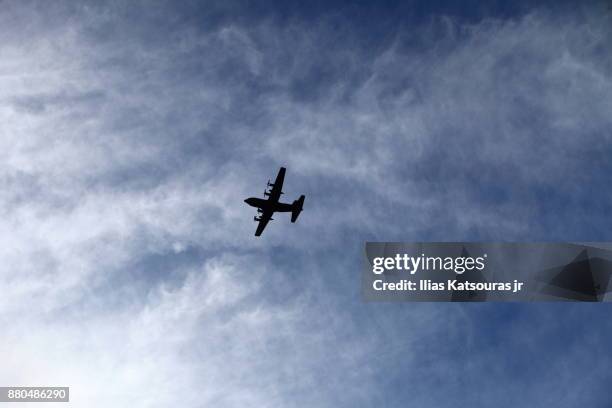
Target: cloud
x=214 y=337
x=132 y=134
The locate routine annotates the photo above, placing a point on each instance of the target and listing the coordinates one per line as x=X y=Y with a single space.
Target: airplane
x=267 y=207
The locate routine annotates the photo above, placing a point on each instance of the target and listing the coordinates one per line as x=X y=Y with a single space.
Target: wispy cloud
x=131 y=134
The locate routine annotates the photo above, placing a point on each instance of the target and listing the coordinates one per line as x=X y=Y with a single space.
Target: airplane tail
x=297 y=208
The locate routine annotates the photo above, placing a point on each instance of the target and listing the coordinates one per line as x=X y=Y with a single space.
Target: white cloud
x=212 y=339
x=120 y=144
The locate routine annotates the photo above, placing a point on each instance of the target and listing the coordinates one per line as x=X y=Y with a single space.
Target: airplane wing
x=263 y=221
x=278 y=185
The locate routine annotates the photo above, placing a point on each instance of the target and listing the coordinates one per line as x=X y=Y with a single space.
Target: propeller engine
x=256 y=218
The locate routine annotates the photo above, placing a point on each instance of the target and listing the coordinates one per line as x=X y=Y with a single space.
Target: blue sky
x=132 y=133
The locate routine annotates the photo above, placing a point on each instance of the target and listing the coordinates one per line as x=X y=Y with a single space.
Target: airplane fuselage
x=268 y=205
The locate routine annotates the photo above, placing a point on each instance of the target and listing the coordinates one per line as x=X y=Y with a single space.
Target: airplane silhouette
x=267 y=207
